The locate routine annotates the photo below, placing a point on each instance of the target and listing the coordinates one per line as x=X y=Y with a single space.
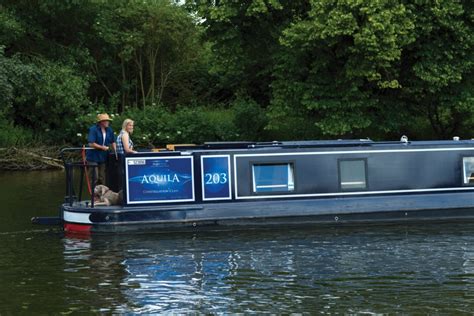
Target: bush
x=156 y=126
x=250 y=120
x=15 y=136
x=47 y=97
x=201 y=124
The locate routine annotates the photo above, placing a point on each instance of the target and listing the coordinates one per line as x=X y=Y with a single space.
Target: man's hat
x=103 y=117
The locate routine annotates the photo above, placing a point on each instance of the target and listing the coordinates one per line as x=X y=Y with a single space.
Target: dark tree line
x=228 y=70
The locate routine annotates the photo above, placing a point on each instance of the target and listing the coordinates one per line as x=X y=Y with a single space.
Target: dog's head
x=100 y=190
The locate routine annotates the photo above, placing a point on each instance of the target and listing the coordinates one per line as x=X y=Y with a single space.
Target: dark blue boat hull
x=441 y=206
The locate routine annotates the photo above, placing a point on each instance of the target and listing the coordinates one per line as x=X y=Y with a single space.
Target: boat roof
x=320 y=144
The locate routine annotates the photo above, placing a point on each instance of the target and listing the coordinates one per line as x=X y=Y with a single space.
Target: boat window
x=468 y=167
x=352 y=174
x=273 y=178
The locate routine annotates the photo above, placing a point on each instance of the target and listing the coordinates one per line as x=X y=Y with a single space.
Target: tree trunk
x=151 y=87
x=152 y=57
x=164 y=76
x=95 y=68
x=124 y=84
x=138 y=61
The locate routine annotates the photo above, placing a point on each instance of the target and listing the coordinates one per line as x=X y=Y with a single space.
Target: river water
x=415 y=269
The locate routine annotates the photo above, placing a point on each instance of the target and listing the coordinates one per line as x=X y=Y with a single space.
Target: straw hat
x=103 y=117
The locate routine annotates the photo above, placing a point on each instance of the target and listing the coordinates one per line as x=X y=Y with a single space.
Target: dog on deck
x=103 y=196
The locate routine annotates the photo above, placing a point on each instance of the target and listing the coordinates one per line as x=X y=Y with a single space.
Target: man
x=101 y=138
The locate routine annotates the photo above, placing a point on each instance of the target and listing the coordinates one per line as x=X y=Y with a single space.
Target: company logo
x=160 y=178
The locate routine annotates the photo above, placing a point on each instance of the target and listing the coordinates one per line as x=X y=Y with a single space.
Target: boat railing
x=69 y=156
x=367 y=142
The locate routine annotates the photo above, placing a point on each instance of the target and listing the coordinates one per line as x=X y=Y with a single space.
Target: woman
x=124 y=142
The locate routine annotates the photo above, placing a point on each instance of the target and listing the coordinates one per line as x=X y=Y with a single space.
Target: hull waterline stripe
x=73 y=217
x=354 y=193
x=77 y=228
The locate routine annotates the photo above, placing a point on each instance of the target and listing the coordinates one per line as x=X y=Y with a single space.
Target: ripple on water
x=404 y=269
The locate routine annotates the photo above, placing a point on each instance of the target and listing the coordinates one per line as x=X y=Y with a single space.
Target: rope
x=85 y=169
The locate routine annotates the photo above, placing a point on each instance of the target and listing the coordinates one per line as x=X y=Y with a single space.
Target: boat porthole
x=194 y=224
x=336 y=218
x=107 y=218
x=406 y=214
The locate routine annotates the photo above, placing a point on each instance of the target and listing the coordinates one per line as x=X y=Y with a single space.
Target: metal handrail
x=71 y=149
x=69 y=165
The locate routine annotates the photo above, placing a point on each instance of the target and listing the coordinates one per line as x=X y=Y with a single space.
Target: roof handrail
x=71 y=149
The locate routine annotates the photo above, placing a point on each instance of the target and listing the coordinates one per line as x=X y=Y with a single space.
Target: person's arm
x=126 y=148
x=112 y=141
x=92 y=140
x=99 y=147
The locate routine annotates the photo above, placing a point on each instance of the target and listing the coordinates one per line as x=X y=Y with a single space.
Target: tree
x=437 y=70
x=338 y=64
x=357 y=67
x=154 y=42
x=244 y=38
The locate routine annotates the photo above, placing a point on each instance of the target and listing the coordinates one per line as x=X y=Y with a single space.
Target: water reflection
x=93 y=274
x=419 y=269
x=27 y=194
x=376 y=270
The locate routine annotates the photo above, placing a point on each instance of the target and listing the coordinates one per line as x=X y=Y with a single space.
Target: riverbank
x=29 y=158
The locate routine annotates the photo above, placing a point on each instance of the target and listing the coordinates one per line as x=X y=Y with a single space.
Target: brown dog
x=103 y=196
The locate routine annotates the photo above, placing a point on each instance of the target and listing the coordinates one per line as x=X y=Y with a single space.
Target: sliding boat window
x=269 y=178
x=468 y=170
x=353 y=174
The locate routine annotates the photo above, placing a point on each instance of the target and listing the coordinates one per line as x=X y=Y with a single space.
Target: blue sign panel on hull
x=216 y=177
x=159 y=180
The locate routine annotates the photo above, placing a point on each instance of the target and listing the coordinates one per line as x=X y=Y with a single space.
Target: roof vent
x=404 y=139
x=456 y=138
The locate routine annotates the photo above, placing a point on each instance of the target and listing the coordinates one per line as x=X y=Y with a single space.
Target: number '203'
x=215 y=178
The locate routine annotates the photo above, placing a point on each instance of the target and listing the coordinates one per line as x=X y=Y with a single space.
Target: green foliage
x=249 y=119
x=11 y=28
x=41 y=95
x=338 y=62
x=440 y=66
x=6 y=88
x=237 y=70
x=15 y=136
x=244 y=38
x=355 y=66
x=158 y=126
x=48 y=96
x=151 y=48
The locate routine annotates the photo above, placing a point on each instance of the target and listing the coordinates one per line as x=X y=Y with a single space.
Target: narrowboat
x=228 y=185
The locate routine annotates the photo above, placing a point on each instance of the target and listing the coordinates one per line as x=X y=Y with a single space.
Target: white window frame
x=291 y=179
x=229 y=176
x=130 y=160
x=464 y=174
x=365 y=182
